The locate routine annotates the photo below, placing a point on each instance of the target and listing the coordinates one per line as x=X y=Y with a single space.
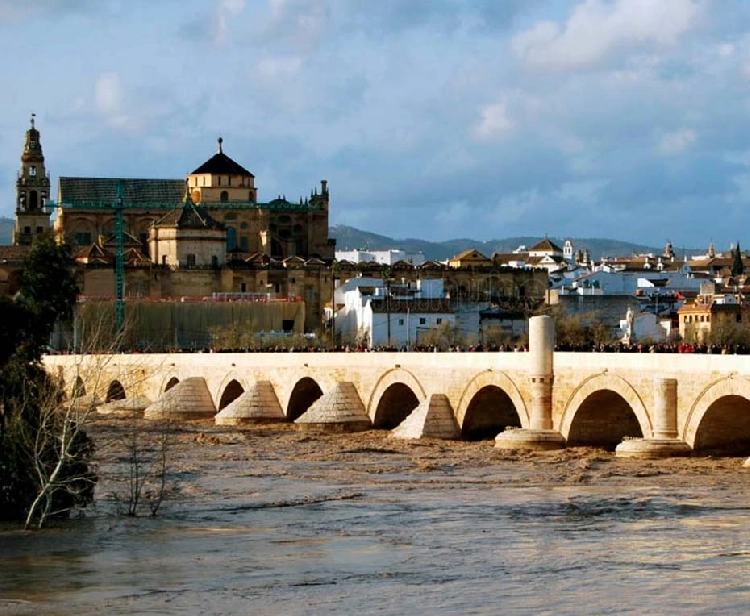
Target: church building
x=221 y=187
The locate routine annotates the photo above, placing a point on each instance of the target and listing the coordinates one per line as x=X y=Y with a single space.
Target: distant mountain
x=349 y=238
x=6 y=231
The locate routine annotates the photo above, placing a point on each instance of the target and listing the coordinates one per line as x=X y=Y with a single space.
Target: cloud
x=296 y=23
x=108 y=93
x=675 y=142
x=596 y=30
x=226 y=12
x=116 y=107
x=274 y=68
x=494 y=124
x=16 y=10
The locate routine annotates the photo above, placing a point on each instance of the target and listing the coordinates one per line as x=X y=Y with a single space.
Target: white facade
x=611 y=282
x=386 y=257
x=357 y=323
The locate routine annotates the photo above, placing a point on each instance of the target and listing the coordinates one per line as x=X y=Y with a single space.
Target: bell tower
x=32 y=192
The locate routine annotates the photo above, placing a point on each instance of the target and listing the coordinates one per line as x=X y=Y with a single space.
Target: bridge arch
x=79 y=389
x=383 y=406
x=602 y=410
x=491 y=401
x=719 y=419
x=229 y=391
x=169 y=383
x=306 y=391
x=115 y=391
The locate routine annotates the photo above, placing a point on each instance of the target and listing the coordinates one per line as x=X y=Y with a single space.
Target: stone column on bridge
x=540 y=434
x=664 y=443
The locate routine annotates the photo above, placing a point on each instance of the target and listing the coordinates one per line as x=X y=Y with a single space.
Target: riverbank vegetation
x=46 y=465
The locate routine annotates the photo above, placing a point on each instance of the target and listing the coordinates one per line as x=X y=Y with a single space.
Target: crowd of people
x=619 y=347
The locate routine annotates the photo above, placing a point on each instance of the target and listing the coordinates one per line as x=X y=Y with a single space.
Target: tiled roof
x=431 y=265
x=471 y=253
x=546 y=244
x=14 y=253
x=190 y=216
x=135 y=190
x=221 y=164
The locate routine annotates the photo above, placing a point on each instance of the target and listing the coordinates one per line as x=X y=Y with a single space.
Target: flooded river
x=272 y=521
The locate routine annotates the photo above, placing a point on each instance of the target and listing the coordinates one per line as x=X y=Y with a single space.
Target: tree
x=45 y=454
x=738 y=266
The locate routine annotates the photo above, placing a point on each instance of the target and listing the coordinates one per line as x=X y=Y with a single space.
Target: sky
x=435 y=119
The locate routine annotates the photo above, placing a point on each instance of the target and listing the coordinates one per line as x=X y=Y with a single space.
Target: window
x=214 y=261
x=293 y=280
x=83 y=239
x=400 y=321
x=422 y=321
x=231 y=238
x=164 y=259
x=439 y=321
x=229 y=181
x=243 y=287
x=224 y=196
x=191 y=259
x=39 y=230
x=32 y=171
x=243 y=242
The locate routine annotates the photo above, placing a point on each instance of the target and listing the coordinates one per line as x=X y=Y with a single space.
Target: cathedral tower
x=32 y=192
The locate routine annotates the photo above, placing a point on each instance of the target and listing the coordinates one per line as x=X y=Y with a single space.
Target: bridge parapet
x=592 y=391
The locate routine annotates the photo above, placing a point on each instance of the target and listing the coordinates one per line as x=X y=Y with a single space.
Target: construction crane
x=118 y=207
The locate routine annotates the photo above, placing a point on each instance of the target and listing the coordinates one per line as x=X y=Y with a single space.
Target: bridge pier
x=540 y=435
x=664 y=443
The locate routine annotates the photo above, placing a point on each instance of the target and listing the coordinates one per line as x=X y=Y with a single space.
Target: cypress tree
x=738 y=266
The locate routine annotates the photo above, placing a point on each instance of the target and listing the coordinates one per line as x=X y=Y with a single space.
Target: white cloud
x=108 y=93
x=226 y=11
x=271 y=69
x=114 y=106
x=300 y=23
x=494 y=124
x=597 y=29
x=678 y=141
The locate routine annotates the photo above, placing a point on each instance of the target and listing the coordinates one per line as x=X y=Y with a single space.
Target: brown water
x=271 y=521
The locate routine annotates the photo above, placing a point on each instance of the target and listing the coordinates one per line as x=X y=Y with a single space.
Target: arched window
x=231 y=238
x=224 y=196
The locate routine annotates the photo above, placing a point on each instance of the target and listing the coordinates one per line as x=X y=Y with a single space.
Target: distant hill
x=6 y=231
x=349 y=238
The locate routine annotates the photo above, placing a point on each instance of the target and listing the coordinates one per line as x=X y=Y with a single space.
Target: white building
x=399 y=315
x=386 y=257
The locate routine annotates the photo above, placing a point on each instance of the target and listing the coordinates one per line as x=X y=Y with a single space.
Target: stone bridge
x=596 y=399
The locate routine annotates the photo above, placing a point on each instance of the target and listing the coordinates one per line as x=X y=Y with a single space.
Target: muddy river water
x=273 y=521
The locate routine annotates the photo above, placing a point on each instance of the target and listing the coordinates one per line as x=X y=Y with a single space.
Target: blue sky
x=627 y=119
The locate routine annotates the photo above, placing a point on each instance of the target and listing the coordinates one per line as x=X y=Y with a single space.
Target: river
x=272 y=521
